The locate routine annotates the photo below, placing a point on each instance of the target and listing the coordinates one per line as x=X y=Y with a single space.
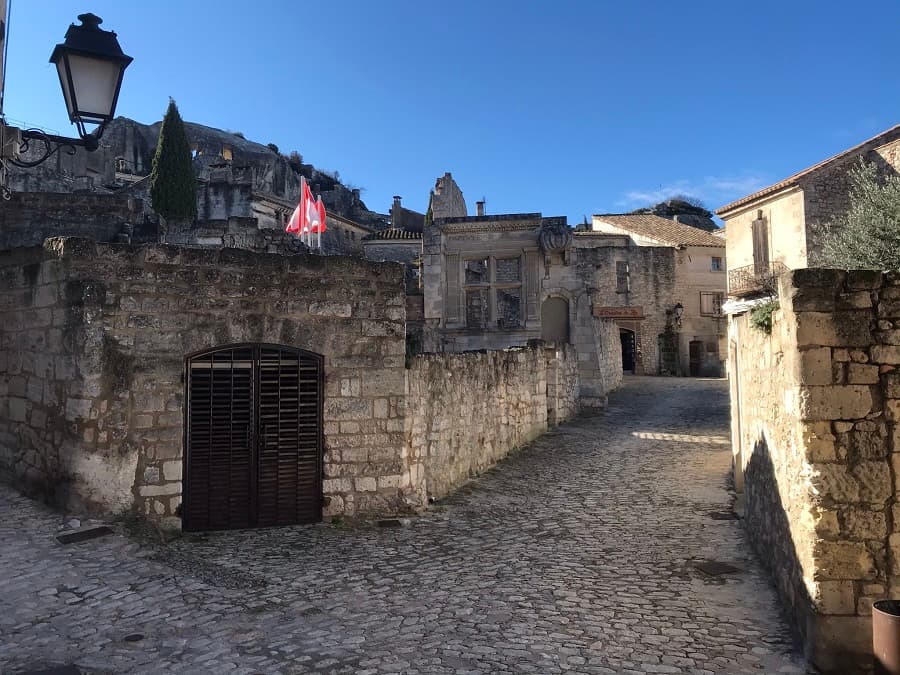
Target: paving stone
x=577 y=554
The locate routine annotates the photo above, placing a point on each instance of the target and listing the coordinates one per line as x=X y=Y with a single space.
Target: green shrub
x=761 y=316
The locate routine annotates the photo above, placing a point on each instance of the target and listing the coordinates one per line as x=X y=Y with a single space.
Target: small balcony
x=757 y=279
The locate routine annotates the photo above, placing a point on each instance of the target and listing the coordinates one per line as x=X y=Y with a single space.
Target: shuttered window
x=711 y=304
x=760 y=245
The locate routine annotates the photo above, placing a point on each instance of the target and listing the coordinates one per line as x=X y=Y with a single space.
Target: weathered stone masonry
x=466 y=412
x=816 y=425
x=93 y=342
x=92 y=345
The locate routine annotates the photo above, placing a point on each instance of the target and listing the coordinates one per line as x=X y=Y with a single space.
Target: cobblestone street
x=576 y=555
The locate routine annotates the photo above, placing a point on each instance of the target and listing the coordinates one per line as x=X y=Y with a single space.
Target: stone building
x=245 y=191
x=678 y=307
x=500 y=281
x=777 y=228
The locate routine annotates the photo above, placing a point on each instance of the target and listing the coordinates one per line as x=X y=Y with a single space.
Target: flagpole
x=302 y=195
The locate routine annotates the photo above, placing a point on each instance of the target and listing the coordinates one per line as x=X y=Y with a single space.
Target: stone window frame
x=716 y=264
x=492 y=286
x=718 y=299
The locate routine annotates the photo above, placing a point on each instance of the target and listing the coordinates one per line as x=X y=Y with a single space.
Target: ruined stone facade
x=447 y=199
x=815 y=412
x=245 y=192
x=490 y=283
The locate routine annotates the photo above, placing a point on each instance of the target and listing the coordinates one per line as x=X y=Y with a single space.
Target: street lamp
x=90 y=64
x=678 y=310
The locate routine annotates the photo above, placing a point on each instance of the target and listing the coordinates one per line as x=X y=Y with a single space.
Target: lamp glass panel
x=95 y=81
x=64 y=83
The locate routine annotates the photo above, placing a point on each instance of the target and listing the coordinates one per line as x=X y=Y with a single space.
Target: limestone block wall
x=29 y=217
x=466 y=412
x=93 y=340
x=815 y=415
x=609 y=358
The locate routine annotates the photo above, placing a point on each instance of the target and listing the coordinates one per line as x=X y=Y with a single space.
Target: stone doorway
x=695 y=357
x=628 y=350
x=253 y=438
x=667 y=345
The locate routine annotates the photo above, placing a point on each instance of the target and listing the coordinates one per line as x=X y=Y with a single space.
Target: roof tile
x=663 y=230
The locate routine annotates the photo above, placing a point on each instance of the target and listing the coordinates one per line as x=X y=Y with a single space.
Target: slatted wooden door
x=253 y=443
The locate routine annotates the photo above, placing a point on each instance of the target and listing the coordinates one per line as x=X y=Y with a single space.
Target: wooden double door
x=253 y=438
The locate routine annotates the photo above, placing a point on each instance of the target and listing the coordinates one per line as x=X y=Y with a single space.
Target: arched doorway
x=628 y=349
x=555 y=320
x=253 y=437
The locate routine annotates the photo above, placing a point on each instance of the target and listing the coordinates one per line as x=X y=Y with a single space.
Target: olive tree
x=867 y=236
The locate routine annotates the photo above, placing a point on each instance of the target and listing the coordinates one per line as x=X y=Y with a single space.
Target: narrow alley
x=583 y=553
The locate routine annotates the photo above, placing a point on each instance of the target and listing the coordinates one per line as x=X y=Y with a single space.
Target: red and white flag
x=309 y=216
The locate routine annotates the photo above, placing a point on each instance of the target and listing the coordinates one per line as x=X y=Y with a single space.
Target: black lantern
x=679 y=310
x=90 y=64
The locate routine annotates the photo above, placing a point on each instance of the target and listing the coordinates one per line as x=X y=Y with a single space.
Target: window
x=711 y=304
x=623 y=277
x=476 y=271
x=226 y=152
x=716 y=264
x=493 y=292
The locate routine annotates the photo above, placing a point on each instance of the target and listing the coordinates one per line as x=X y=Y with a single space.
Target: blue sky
x=568 y=108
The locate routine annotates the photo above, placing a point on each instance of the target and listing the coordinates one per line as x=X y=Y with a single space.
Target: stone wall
x=404 y=251
x=93 y=340
x=30 y=217
x=652 y=275
x=815 y=418
x=241 y=233
x=466 y=412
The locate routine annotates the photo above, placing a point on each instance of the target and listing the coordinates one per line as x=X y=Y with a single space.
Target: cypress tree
x=429 y=213
x=173 y=188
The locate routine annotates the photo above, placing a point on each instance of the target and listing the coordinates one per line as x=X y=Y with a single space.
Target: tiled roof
x=865 y=146
x=392 y=233
x=662 y=230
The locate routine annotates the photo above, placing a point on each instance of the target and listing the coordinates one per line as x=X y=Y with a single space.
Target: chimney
x=397 y=199
x=355 y=193
x=479 y=207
